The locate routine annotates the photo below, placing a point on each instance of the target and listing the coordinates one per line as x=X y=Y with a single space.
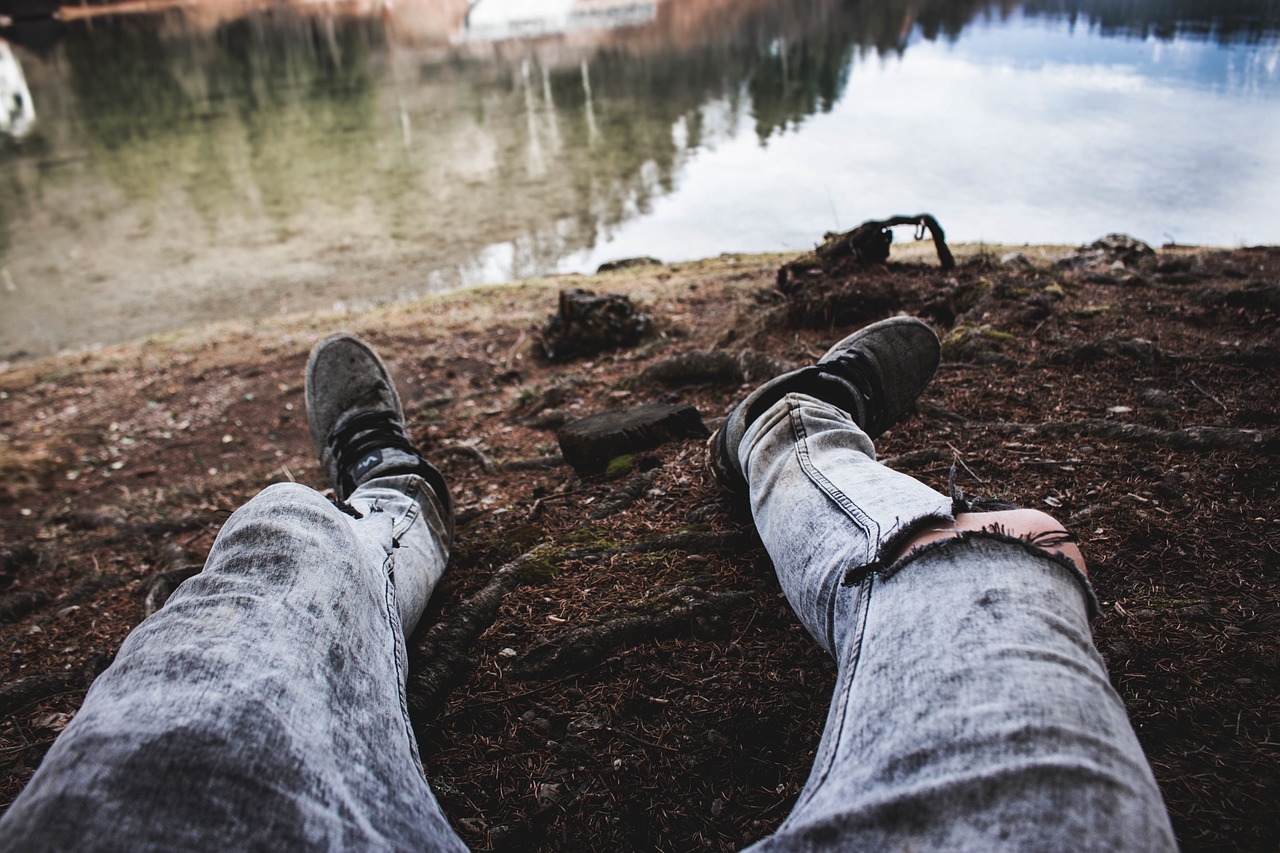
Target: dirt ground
x=1132 y=395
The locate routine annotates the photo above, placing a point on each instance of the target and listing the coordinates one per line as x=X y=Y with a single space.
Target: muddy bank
x=1133 y=397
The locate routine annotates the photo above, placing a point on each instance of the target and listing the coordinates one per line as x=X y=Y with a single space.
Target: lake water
x=164 y=169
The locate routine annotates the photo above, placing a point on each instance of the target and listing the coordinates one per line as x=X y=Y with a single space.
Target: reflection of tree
x=1224 y=21
x=293 y=118
x=127 y=96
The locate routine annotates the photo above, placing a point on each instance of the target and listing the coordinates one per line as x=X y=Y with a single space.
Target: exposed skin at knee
x=1021 y=523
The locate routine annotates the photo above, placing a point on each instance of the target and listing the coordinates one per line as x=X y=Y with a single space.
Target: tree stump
x=588 y=444
x=587 y=324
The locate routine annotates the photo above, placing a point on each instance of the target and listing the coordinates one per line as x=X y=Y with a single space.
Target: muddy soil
x=1134 y=397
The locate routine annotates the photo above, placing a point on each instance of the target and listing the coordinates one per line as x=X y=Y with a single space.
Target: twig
x=962 y=464
x=1196 y=385
x=486 y=464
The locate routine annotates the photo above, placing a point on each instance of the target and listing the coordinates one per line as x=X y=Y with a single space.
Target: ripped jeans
x=971 y=710
x=263 y=706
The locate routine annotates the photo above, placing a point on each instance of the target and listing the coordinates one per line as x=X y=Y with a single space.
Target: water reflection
x=217 y=163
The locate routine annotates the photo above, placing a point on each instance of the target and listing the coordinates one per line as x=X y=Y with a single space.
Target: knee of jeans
x=290 y=513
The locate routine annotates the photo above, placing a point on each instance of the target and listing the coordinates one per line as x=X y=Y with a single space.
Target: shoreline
x=902 y=252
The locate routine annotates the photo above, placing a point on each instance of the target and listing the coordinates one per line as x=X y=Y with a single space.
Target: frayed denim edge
x=854 y=576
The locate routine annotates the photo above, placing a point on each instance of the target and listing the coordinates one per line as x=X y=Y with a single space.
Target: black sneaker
x=357 y=421
x=875 y=375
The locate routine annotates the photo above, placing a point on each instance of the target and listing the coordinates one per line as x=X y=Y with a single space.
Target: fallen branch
x=694 y=542
x=624 y=496
x=1199 y=438
x=534 y=463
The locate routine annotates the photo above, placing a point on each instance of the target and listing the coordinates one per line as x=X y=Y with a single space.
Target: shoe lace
x=377 y=430
x=857 y=369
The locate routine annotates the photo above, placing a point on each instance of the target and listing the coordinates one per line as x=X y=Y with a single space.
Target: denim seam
x=415 y=510
x=861 y=519
x=868 y=525
x=399 y=653
x=844 y=685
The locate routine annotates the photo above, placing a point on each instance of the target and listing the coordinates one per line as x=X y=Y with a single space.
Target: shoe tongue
x=382 y=460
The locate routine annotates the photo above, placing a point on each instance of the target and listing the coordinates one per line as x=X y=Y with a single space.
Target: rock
x=587 y=324
x=1114 y=252
x=1158 y=398
x=1018 y=260
x=588 y=444
x=1256 y=295
x=1140 y=350
x=973 y=343
x=628 y=263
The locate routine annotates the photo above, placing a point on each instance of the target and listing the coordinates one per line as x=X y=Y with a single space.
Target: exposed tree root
x=1198 y=438
x=684 y=611
x=445 y=649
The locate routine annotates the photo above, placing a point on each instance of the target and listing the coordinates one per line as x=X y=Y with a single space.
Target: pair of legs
x=263 y=706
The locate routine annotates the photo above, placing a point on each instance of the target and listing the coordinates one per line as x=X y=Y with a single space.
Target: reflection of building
x=17 y=113
x=499 y=20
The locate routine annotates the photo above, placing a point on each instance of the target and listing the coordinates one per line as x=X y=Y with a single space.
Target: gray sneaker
x=357 y=421
x=875 y=375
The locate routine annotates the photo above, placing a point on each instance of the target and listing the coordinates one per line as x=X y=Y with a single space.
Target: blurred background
x=169 y=163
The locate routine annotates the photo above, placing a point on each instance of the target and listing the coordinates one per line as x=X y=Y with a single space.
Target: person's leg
x=971 y=710
x=263 y=706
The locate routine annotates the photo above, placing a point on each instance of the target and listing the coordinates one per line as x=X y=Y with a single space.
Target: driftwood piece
x=713 y=366
x=683 y=611
x=588 y=324
x=589 y=443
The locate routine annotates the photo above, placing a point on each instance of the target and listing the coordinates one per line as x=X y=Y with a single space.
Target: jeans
x=263 y=706
x=971 y=710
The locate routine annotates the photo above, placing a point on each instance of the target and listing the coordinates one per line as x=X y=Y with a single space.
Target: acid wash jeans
x=263 y=706
x=971 y=710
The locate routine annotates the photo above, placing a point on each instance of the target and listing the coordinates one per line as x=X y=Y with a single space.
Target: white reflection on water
x=1027 y=132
